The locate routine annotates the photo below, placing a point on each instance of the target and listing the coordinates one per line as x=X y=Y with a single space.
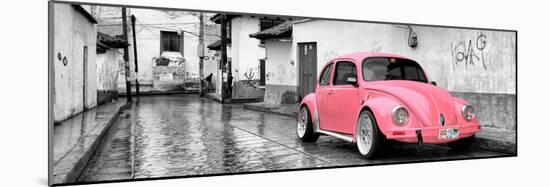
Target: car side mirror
x=352 y=81
x=434 y=83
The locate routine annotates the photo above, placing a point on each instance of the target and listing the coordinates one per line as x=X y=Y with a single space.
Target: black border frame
x=51 y=84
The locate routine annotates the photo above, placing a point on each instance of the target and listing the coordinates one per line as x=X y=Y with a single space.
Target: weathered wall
x=72 y=31
x=245 y=55
x=478 y=65
x=280 y=73
x=461 y=60
x=107 y=75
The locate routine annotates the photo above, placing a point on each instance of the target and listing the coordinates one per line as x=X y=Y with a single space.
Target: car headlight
x=400 y=115
x=468 y=112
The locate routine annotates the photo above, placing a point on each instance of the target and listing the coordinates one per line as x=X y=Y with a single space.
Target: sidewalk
x=493 y=139
x=75 y=139
x=217 y=98
x=290 y=110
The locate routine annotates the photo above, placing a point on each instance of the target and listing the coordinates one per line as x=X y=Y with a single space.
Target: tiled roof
x=283 y=30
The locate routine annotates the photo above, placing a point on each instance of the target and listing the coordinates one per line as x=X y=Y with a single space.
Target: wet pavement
x=180 y=135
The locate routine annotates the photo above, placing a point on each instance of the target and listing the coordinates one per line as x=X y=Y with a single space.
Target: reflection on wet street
x=179 y=135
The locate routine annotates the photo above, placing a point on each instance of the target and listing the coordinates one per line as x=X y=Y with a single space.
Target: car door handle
x=330 y=92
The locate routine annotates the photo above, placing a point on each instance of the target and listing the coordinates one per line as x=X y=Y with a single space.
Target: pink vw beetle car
x=368 y=98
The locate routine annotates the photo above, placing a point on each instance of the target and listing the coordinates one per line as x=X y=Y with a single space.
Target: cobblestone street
x=179 y=135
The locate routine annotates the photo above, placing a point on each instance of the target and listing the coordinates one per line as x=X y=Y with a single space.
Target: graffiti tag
x=249 y=78
x=470 y=52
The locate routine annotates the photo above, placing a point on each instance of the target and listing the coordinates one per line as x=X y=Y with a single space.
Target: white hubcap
x=302 y=124
x=364 y=135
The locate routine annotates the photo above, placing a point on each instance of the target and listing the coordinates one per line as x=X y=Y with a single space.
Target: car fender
x=381 y=106
x=310 y=101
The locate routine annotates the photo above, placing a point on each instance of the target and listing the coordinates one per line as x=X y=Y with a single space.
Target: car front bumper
x=430 y=135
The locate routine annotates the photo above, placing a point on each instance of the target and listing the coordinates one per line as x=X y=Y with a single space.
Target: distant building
x=246 y=55
x=167 y=44
x=109 y=57
x=280 y=70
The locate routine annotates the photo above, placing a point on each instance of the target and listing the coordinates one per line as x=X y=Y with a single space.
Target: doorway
x=307 y=68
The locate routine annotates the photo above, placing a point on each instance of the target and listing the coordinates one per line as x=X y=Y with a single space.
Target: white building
x=74 y=66
x=477 y=65
x=246 y=55
x=167 y=46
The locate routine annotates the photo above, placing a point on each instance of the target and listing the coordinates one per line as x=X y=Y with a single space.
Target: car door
x=343 y=98
x=321 y=93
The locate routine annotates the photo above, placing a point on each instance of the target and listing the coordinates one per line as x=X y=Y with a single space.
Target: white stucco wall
x=278 y=66
x=245 y=51
x=149 y=24
x=436 y=51
x=107 y=69
x=72 y=31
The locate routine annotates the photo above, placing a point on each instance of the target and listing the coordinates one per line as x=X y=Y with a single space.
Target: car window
x=325 y=76
x=383 y=68
x=344 y=70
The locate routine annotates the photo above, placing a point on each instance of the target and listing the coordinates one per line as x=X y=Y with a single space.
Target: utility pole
x=135 y=53
x=201 y=55
x=223 y=51
x=126 y=61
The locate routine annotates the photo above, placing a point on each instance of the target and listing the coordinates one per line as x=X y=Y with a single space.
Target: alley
x=180 y=135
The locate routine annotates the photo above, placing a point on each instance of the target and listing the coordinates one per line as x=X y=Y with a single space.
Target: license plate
x=448 y=133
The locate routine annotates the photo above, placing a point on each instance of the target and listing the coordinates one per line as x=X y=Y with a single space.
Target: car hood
x=425 y=101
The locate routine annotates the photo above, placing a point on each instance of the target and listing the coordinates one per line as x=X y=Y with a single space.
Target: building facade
x=477 y=65
x=74 y=77
x=167 y=47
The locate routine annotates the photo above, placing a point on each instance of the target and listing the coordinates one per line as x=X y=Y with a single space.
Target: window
x=382 y=68
x=325 y=76
x=344 y=70
x=171 y=41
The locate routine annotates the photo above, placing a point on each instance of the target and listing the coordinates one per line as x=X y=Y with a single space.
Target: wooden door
x=307 y=68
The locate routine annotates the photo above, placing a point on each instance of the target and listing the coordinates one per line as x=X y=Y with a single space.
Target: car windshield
x=383 y=68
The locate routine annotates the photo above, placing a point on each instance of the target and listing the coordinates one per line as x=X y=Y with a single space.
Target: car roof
x=360 y=56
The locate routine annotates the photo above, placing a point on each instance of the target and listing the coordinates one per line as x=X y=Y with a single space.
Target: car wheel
x=368 y=138
x=304 y=127
x=462 y=144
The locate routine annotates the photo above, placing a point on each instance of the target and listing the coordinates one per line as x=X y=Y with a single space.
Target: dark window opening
x=171 y=41
x=382 y=68
x=344 y=70
x=266 y=23
x=325 y=76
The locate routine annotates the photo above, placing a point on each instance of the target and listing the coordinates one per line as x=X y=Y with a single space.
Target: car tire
x=368 y=138
x=462 y=144
x=304 y=126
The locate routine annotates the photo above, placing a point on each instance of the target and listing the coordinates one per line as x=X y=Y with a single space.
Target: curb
x=495 y=145
x=76 y=169
x=263 y=109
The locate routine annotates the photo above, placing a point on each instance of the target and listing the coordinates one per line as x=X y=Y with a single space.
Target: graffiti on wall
x=470 y=52
x=376 y=49
x=328 y=56
x=249 y=79
x=282 y=72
